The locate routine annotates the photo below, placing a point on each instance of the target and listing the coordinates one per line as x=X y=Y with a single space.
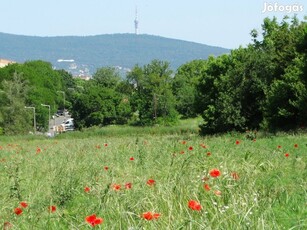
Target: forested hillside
x=94 y=52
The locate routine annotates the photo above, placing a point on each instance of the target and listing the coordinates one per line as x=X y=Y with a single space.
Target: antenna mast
x=136 y=22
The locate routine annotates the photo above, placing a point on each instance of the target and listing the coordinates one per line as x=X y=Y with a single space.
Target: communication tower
x=136 y=22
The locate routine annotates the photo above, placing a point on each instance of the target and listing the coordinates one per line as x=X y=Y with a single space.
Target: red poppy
x=181 y=152
x=87 y=189
x=150 y=215
x=194 y=205
x=128 y=185
x=207 y=187
x=38 y=150
x=215 y=173
x=287 y=155
x=237 y=142
x=106 y=168
x=105 y=145
x=52 y=208
x=208 y=153
x=116 y=187
x=23 y=204
x=151 y=182
x=279 y=146
x=190 y=148
x=132 y=158
x=183 y=142
x=93 y=220
x=295 y=145
x=235 y=175
x=18 y=211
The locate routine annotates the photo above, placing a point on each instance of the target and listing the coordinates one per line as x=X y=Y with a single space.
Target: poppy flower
x=93 y=220
x=106 y=168
x=128 y=185
x=38 y=150
x=116 y=187
x=183 y=142
x=18 y=211
x=208 y=153
x=150 y=215
x=215 y=173
x=181 y=152
x=105 y=145
x=237 y=142
x=151 y=182
x=287 y=155
x=52 y=208
x=207 y=187
x=194 y=205
x=295 y=145
x=190 y=148
x=132 y=158
x=23 y=204
x=279 y=146
x=87 y=189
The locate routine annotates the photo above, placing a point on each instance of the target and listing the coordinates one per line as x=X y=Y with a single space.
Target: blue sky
x=222 y=23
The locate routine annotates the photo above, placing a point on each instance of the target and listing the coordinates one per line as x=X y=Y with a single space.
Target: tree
x=14 y=118
x=184 y=86
x=152 y=98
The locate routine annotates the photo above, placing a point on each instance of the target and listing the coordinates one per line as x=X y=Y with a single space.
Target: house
x=4 y=62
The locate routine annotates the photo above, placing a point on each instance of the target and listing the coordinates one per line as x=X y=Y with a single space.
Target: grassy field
x=134 y=178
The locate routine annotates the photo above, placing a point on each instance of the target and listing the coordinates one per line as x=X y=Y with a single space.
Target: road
x=55 y=122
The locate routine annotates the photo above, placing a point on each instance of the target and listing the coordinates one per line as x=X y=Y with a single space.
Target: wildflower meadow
x=154 y=181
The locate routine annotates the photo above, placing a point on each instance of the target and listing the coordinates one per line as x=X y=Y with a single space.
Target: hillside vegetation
x=123 y=50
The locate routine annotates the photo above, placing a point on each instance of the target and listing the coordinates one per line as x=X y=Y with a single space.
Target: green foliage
x=263 y=85
x=102 y=100
x=152 y=97
x=14 y=117
x=184 y=87
x=42 y=85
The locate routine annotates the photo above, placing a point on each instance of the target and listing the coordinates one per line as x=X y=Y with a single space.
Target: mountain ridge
x=95 y=51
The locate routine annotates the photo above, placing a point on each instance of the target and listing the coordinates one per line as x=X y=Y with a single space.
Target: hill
x=79 y=54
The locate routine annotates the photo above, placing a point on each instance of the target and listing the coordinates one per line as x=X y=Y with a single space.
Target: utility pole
x=34 y=119
x=64 y=103
x=49 y=115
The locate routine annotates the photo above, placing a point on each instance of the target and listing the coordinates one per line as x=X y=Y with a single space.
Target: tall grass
x=259 y=187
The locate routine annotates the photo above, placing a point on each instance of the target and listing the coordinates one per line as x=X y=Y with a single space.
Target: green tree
x=184 y=87
x=14 y=118
x=152 y=98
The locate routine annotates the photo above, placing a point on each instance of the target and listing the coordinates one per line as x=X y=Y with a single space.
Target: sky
x=222 y=23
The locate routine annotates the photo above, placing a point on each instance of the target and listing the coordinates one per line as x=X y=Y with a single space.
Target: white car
x=69 y=124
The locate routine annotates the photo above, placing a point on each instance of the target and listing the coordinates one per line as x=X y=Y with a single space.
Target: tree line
x=261 y=86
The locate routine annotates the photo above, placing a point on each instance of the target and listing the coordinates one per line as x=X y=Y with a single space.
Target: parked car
x=60 y=112
x=69 y=124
